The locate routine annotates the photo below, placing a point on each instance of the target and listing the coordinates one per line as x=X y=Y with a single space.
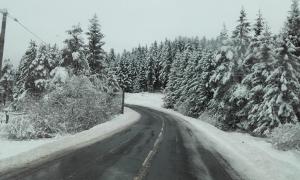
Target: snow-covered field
x=254 y=158
x=15 y=154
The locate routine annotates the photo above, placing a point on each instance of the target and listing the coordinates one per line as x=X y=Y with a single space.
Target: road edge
x=59 y=148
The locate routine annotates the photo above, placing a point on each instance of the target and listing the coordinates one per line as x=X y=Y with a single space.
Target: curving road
x=158 y=147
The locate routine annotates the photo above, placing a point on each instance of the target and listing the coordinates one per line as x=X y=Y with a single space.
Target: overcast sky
x=127 y=23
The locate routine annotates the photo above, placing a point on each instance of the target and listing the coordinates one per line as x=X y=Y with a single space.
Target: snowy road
x=158 y=147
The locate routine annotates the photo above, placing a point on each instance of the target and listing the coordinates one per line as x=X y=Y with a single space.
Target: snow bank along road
x=157 y=147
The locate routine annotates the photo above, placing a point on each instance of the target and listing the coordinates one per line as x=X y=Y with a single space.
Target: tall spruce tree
x=95 y=52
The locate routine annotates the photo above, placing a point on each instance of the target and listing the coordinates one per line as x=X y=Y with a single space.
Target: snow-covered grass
x=11 y=148
x=253 y=158
x=14 y=154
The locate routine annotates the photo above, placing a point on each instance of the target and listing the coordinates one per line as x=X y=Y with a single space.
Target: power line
x=26 y=28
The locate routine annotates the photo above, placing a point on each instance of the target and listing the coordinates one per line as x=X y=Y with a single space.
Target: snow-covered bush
x=71 y=106
x=286 y=137
x=20 y=127
x=59 y=75
x=75 y=106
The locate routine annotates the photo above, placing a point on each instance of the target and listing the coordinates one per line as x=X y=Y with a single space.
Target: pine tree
x=150 y=72
x=95 y=52
x=185 y=80
x=259 y=25
x=185 y=59
x=170 y=96
x=111 y=59
x=7 y=81
x=241 y=34
x=24 y=69
x=292 y=25
x=54 y=56
x=166 y=63
x=141 y=80
x=196 y=94
x=123 y=73
x=281 y=92
x=175 y=86
x=225 y=101
x=255 y=80
x=223 y=37
x=74 y=55
x=39 y=70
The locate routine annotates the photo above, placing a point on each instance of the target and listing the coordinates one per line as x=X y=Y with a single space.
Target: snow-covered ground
x=15 y=154
x=254 y=158
x=11 y=148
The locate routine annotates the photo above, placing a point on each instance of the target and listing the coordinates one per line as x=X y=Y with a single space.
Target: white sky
x=127 y=23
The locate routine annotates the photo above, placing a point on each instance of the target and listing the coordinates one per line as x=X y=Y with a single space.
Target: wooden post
x=123 y=99
x=2 y=37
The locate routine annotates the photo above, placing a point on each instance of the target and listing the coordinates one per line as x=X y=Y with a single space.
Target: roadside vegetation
x=58 y=91
x=248 y=79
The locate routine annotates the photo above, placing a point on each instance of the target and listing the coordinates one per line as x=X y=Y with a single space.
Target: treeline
x=147 y=68
x=249 y=79
x=61 y=90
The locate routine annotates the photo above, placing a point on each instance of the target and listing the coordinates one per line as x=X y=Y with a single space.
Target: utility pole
x=2 y=37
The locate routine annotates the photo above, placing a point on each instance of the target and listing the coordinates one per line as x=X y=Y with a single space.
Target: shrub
x=286 y=137
x=20 y=127
x=75 y=105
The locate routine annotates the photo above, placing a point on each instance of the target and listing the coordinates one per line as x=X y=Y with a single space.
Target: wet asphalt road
x=158 y=147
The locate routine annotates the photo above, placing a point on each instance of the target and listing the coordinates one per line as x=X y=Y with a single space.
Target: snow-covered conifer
x=74 y=56
x=95 y=52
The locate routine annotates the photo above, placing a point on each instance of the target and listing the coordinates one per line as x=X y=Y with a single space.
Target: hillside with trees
x=248 y=79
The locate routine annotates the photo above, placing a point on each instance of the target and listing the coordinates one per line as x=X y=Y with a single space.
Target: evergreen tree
x=39 y=70
x=123 y=73
x=54 y=56
x=259 y=25
x=7 y=81
x=225 y=101
x=223 y=37
x=184 y=61
x=241 y=34
x=150 y=72
x=141 y=84
x=111 y=59
x=24 y=69
x=170 y=95
x=292 y=25
x=263 y=57
x=74 y=55
x=95 y=52
x=281 y=92
x=175 y=86
x=166 y=63
x=196 y=92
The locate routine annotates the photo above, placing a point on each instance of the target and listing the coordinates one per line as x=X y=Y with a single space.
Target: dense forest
x=60 y=91
x=248 y=78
